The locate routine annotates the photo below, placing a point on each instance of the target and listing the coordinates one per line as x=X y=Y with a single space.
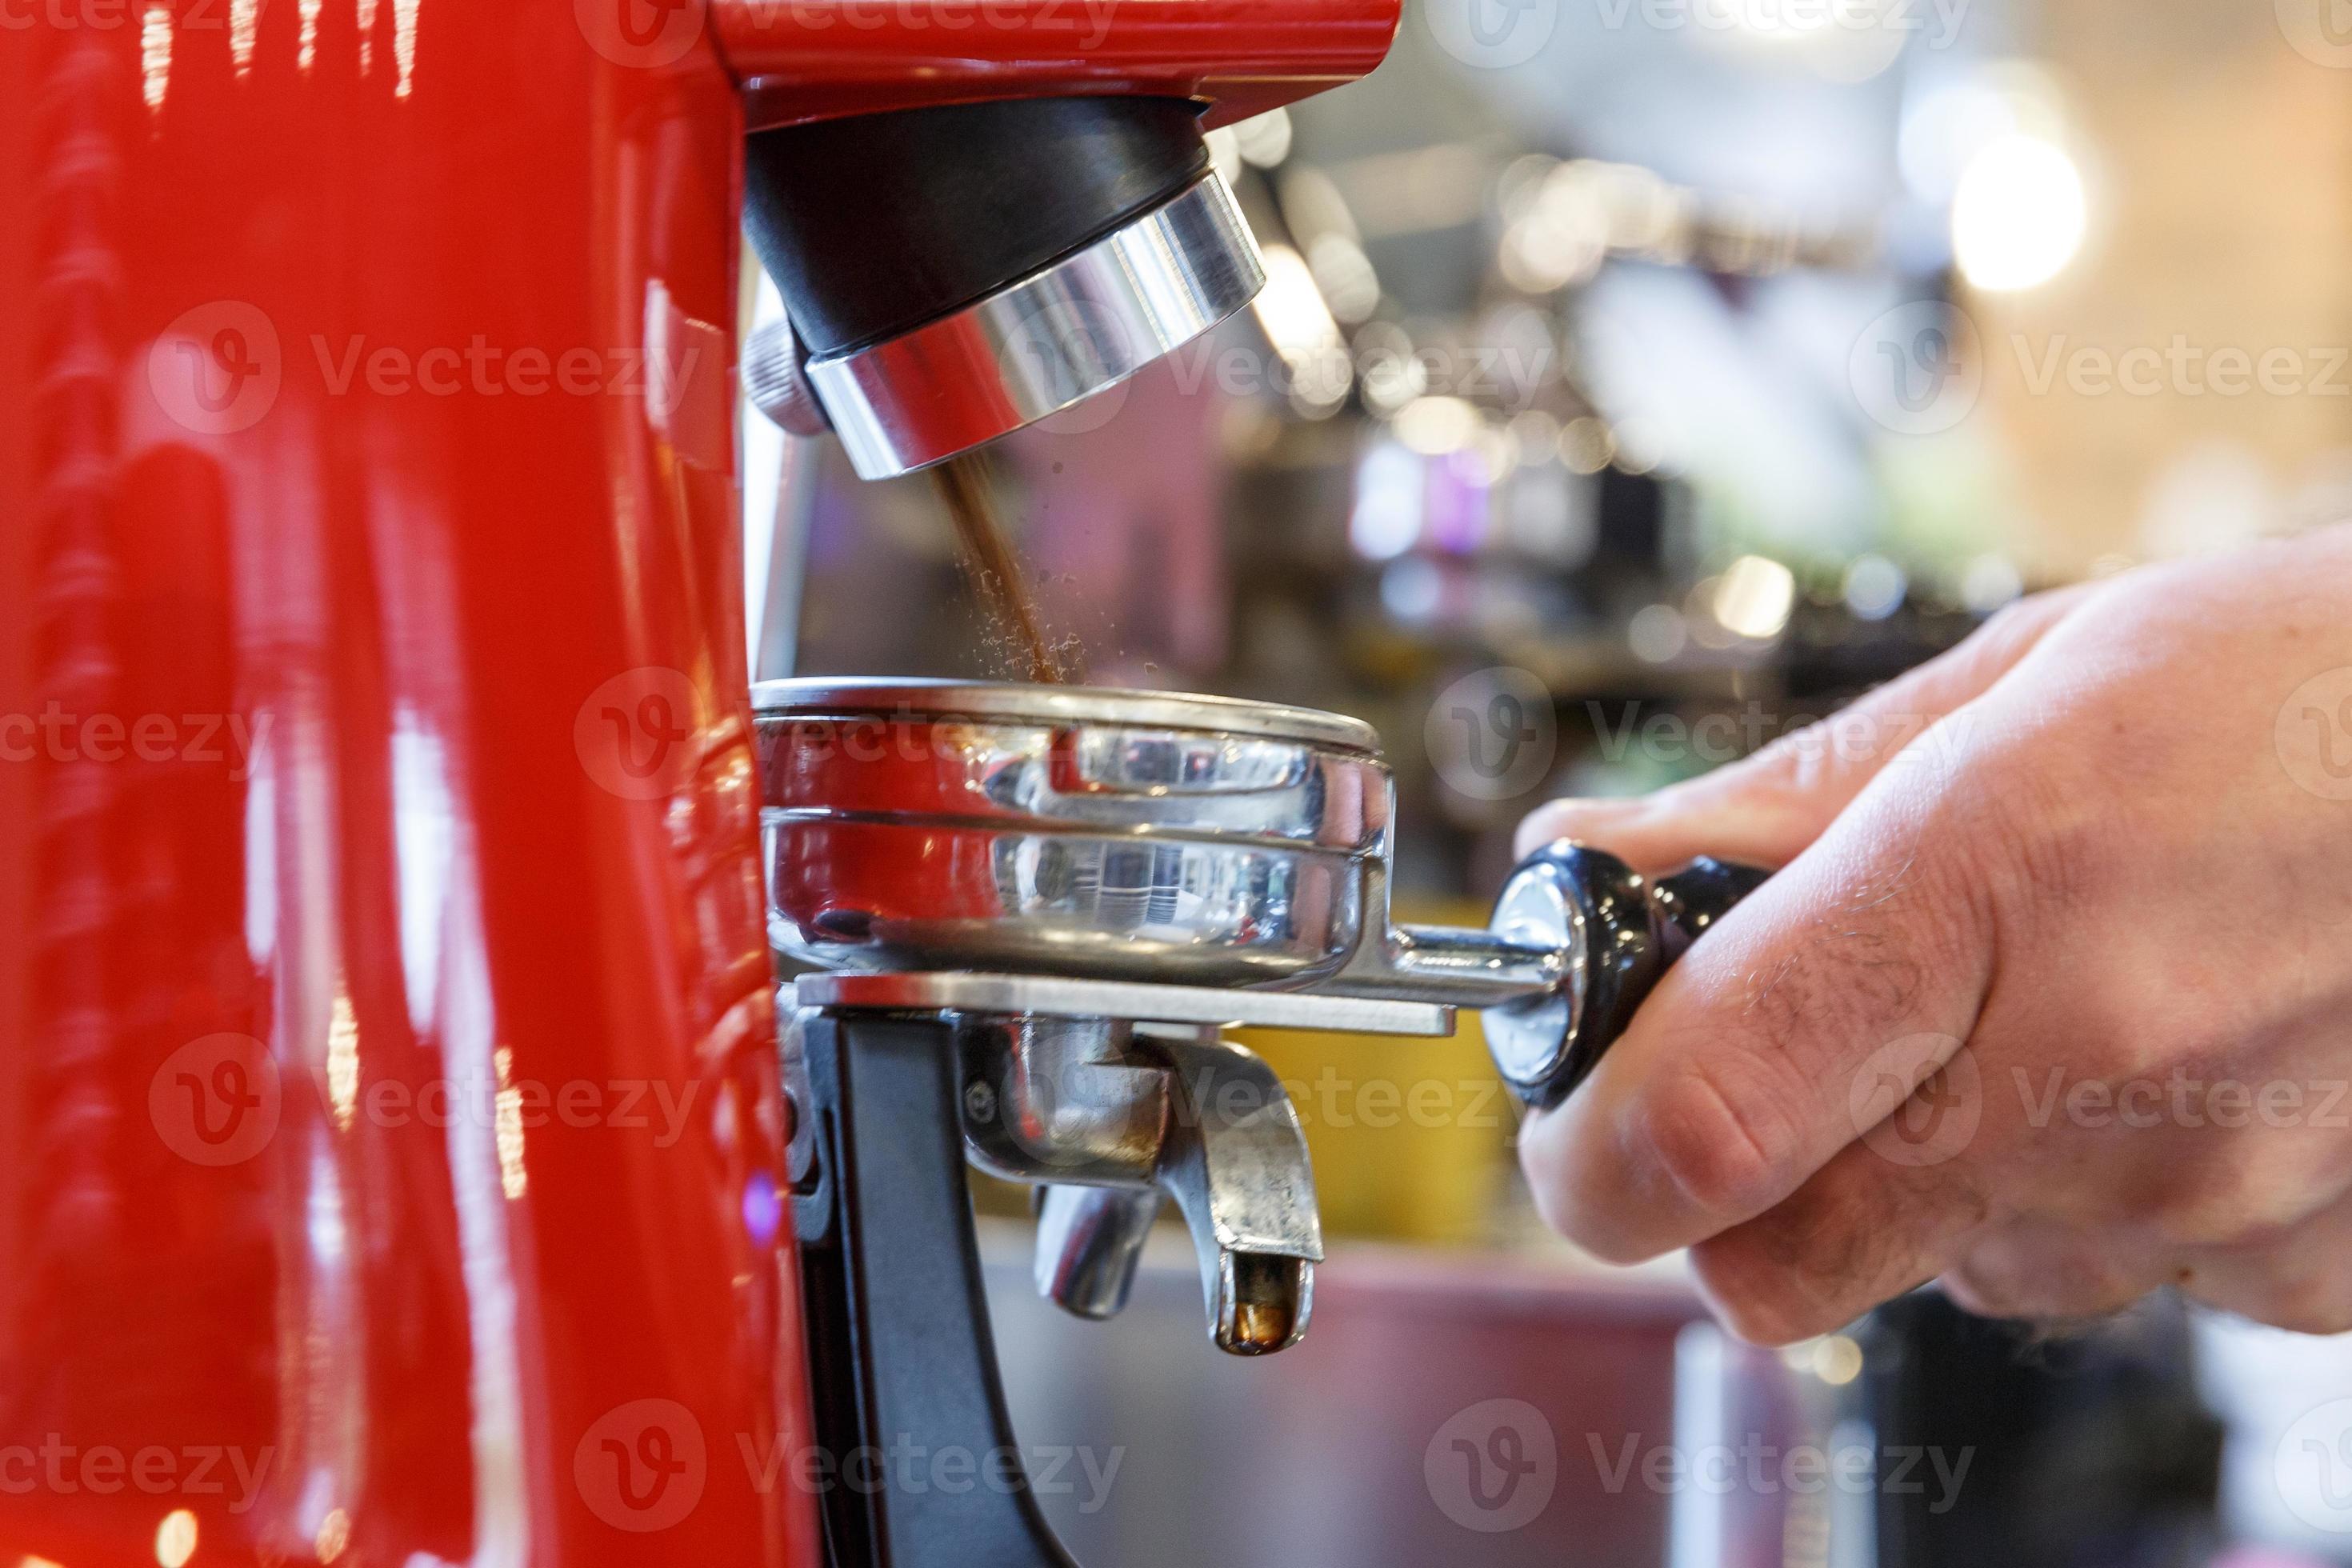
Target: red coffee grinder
x=387 y=1036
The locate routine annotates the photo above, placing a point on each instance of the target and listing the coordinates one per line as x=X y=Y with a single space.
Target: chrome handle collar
x=1058 y=336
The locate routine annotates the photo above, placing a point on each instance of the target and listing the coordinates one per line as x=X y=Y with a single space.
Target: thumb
x=1768 y=808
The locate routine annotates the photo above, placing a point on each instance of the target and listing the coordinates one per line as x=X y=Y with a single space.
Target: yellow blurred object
x=1410 y=1139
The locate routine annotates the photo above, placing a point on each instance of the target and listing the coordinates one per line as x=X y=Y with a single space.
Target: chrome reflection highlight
x=1104 y=835
x=1060 y=335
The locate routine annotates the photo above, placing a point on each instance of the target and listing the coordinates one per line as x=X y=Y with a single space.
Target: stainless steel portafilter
x=1153 y=839
x=1086 y=886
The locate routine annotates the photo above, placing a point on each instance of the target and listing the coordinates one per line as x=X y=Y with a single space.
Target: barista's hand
x=2092 y=871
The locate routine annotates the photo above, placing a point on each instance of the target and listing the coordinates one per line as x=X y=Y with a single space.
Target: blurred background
x=1637 y=379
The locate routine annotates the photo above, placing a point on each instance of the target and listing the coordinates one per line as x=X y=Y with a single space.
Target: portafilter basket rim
x=888 y=696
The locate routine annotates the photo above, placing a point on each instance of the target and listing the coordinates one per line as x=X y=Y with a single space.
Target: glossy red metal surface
x=392 y=1135
x=388 y=1070
x=811 y=59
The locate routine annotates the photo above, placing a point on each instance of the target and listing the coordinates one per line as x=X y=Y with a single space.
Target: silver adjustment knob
x=777 y=385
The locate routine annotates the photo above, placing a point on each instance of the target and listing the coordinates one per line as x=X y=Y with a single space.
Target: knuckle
x=2320 y=1318
x=1722 y=1143
x=2311 y=1306
x=2298 y=1285
x=1757 y=1298
x=1979 y=1297
x=2228 y=1197
x=1552 y=1186
x=2049 y=1284
x=1797 y=763
x=2189 y=1218
x=1987 y=1292
x=2024 y=620
x=1854 y=1227
x=2054 y=801
x=1571 y=1184
x=2027 y=835
x=1897 y=953
x=2061 y=832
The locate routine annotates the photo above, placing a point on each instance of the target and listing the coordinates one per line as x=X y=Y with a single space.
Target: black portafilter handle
x=1619 y=932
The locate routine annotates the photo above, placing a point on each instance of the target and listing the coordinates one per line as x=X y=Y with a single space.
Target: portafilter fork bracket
x=1111 y=1096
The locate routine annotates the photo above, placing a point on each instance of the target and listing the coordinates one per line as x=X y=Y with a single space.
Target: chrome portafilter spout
x=1114 y=1117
